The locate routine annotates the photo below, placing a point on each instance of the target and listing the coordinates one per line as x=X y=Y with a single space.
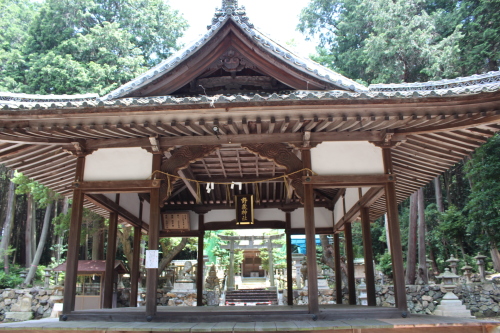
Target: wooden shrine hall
x=236 y=113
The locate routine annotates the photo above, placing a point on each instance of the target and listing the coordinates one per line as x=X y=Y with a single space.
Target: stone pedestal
x=212 y=298
x=184 y=286
x=322 y=283
x=451 y=306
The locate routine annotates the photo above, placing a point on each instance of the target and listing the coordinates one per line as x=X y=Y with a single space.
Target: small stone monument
x=467 y=273
x=480 y=266
x=322 y=281
x=450 y=305
x=363 y=296
x=303 y=272
x=453 y=264
x=212 y=286
x=185 y=281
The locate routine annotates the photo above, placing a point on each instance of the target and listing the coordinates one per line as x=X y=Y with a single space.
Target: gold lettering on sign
x=244 y=209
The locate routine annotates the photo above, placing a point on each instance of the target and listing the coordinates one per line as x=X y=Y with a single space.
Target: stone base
x=183 y=286
x=323 y=284
x=18 y=316
x=451 y=306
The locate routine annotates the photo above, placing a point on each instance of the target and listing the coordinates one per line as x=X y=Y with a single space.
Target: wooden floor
x=415 y=324
x=235 y=313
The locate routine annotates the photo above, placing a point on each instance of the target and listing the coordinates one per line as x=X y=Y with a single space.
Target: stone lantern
x=450 y=305
x=429 y=269
x=453 y=264
x=480 y=265
x=47 y=277
x=363 y=296
x=467 y=272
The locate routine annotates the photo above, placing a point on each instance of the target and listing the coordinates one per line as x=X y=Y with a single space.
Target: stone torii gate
x=267 y=241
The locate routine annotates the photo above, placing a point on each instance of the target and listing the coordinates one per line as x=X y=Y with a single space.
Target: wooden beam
x=109 y=205
x=201 y=263
x=184 y=174
x=134 y=274
x=289 y=267
x=122 y=186
x=367 y=200
x=351 y=281
x=235 y=139
x=153 y=243
x=368 y=254
x=347 y=181
x=395 y=236
x=338 y=268
x=109 y=276
x=312 y=269
x=74 y=239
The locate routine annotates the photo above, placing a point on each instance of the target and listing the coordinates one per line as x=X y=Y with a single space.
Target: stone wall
x=26 y=304
x=163 y=298
x=482 y=299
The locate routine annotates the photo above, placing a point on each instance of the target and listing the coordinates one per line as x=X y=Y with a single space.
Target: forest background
x=94 y=46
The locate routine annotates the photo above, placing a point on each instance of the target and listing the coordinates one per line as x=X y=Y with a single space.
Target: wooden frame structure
x=263 y=117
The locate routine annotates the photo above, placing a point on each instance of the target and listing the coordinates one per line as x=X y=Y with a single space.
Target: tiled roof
x=484 y=83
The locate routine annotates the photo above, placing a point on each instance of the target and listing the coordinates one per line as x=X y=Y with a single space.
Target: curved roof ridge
x=459 y=82
x=21 y=97
x=230 y=11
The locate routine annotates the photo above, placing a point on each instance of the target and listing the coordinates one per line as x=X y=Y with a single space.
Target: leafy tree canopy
x=378 y=41
x=82 y=46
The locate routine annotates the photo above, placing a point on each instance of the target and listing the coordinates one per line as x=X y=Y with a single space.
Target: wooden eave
x=229 y=36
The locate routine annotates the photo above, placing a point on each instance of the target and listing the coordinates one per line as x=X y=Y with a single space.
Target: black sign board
x=244 y=209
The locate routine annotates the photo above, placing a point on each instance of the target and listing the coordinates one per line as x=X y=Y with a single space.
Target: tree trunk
x=495 y=257
x=41 y=244
x=7 y=227
x=33 y=230
x=328 y=258
x=386 y=225
x=422 y=259
x=124 y=238
x=28 y=232
x=439 y=195
x=168 y=258
x=411 y=258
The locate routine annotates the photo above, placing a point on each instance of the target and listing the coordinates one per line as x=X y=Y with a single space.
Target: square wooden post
x=201 y=263
x=289 y=268
x=109 y=276
x=310 y=231
x=338 y=268
x=153 y=243
x=351 y=281
x=134 y=275
x=75 y=229
x=395 y=236
x=368 y=253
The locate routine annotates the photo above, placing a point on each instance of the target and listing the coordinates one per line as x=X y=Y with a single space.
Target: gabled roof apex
x=230 y=9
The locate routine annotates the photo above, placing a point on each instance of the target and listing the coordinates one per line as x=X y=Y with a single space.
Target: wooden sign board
x=178 y=221
x=244 y=209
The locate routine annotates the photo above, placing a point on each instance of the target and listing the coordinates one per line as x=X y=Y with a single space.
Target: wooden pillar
x=134 y=276
x=289 y=267
x=153 y=243
x=368 y=253
x=338 y=268
x=199 y=275
x=75 y=229
x=310 y=231
x=395 y=236
x=351 y=281
x=109 y=276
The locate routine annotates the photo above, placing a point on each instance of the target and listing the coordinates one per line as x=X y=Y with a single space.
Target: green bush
x=11 y=280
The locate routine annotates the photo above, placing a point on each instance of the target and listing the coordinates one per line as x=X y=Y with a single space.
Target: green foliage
x=82 y=46
x=378 y=41
x=483 y=208
x=279 y=254
x=11 y=280
x=385 y=264
x=218 y=255
x=41 y=195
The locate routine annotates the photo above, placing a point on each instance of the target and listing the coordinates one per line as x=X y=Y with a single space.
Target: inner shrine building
x=237 y=115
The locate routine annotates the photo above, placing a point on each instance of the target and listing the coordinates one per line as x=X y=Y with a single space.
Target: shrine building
x=236 y=116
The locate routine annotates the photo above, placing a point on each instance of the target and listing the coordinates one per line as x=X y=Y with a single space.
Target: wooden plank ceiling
x=424 y=154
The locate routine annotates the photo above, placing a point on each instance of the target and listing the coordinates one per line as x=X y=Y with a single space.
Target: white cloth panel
x=347 y=158
x=118 y=164
x=351 y=197
x=323 y=218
